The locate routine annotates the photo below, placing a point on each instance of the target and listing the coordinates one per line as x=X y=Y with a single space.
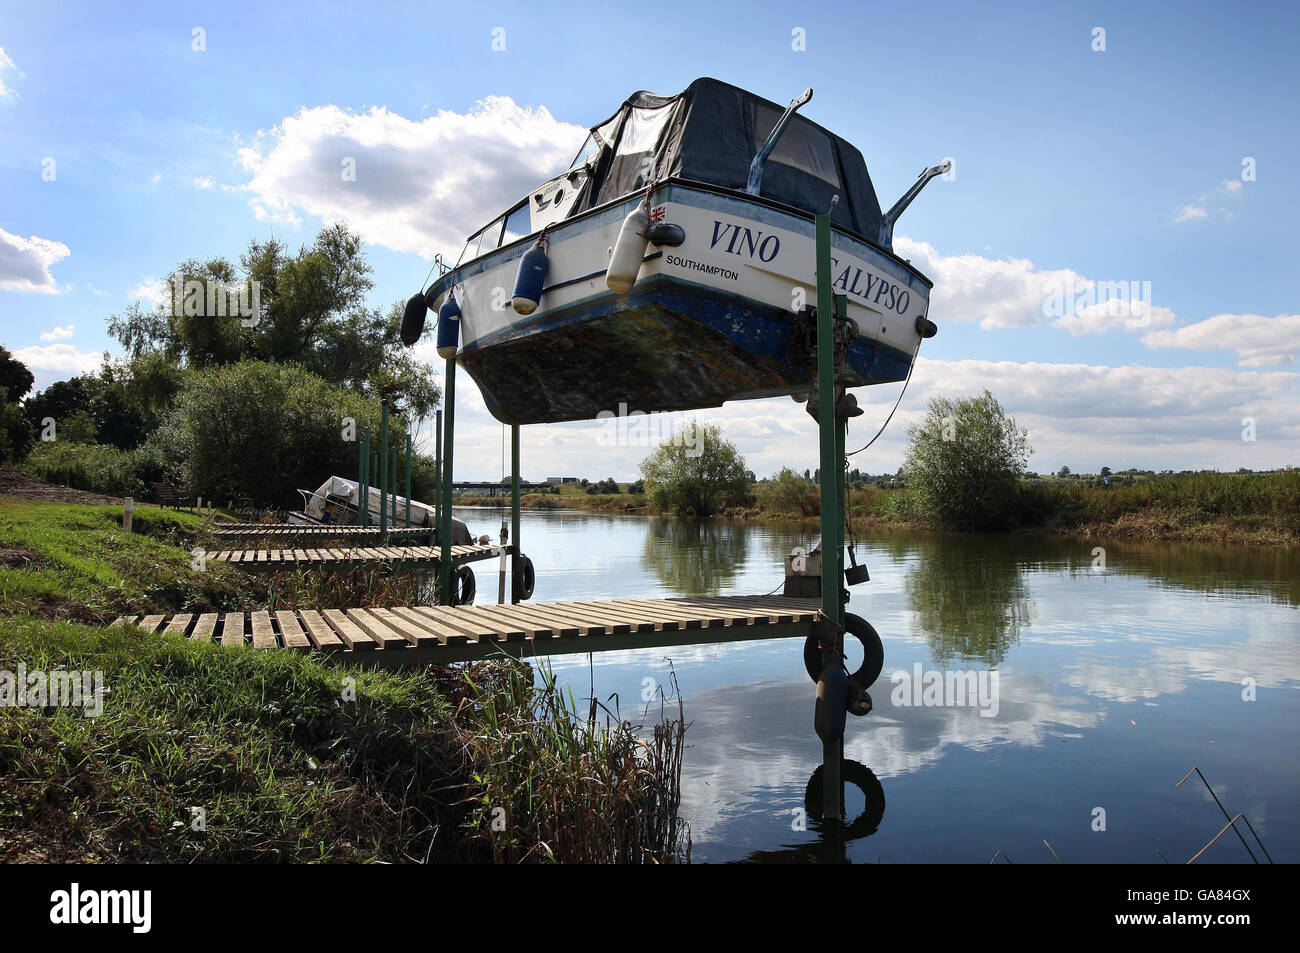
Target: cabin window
x=589 y=149
x=518 y=224
x=482 y=242
x=634 y=161
x=802 y=146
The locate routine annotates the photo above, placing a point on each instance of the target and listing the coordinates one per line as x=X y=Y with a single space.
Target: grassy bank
x=288 y=757
x=1203 y=507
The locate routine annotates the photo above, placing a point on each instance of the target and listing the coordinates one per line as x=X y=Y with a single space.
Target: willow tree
x=965 y=461
x=698 y=471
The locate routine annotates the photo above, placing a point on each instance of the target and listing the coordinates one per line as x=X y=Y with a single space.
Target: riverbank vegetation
x=286 y=756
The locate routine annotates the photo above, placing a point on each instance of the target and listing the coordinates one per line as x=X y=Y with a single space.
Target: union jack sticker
x=657 y=214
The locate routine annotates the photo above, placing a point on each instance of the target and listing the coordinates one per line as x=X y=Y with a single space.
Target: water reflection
x=834 y=836
x=1114 y=681
x=970 y=599
x=695 y=557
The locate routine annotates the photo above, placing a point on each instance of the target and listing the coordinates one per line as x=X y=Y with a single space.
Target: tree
x=263 y=431
x=696 y=472
x=15 y=379
x=1063 y=472
x=16 y=434
x=310 y=311
x=791 y=494
x=965 y=460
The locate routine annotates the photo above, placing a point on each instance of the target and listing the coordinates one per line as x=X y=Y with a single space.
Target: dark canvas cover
x=710 y=133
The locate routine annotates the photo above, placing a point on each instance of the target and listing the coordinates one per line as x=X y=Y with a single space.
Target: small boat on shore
x=671 y=267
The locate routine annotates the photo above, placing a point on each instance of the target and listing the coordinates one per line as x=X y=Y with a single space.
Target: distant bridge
x=488 y=488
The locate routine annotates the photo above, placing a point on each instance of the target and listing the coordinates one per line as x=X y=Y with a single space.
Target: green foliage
x=96 y=468
x=311 y=312
x=697 y=472
x=790 y=494
x=965 y=461
x=263 y=431
x=15 y=379
x=89 y=408
x=606 y=486
x=16 y=434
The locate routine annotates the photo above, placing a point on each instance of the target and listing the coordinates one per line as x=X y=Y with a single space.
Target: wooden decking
x=350 y=557
x=244 y=532
x=424 y=635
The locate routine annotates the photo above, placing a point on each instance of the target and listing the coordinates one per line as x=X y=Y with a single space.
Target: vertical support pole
x=832 y=519
x=383 y=471
x=363 y=481
x=514 y=512
x=128 y=513
x=437 y=470
x=444 y=529
x=392 y=490
x=408 y=480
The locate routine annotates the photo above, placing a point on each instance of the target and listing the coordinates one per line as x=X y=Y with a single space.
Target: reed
x=558 y=785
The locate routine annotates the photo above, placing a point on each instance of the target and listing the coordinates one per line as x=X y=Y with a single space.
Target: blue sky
x=1117 y=165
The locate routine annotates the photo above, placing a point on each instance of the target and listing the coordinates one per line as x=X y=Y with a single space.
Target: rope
x=906 y=381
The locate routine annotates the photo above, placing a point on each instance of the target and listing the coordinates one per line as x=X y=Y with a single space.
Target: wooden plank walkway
x=244 y=532
x=318 y=557
x=423 y=635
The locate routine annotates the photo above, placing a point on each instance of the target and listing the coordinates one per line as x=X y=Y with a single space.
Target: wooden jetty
x=423 y=635
x=243 y=532
x=351 y=557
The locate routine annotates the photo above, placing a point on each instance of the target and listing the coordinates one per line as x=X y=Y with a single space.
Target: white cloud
x=1258 y=340
x=1080 y=415
x=1196 y=211
x=63 y=359
x=1014 y=292
x=25 y=263
x=204 y=182
x=58 y=333
x=420 y=185
x=7 y=63
x=1116 y=314
x=152 y=291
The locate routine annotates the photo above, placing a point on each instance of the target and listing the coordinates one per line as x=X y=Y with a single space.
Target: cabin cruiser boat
x=335 y=503
x=671 y=267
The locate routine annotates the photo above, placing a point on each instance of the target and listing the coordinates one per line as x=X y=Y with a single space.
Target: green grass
x=292 y=759
x=75 y=561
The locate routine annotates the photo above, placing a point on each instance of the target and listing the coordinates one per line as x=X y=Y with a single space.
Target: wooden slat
x=512 y=620
x=121 y=621
x=376 y=628
x=457 y=619
x=564 y=628
x=319 y=631
x=263 y=633
x=448 y=635
x=202 y=631
x=615 y=623
x=178 y=624
x=291 y=632
x=413 y=633
x=351 y=634
x=151 y=622
x=232 y=628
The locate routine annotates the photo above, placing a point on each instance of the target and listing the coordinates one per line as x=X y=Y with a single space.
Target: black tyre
x=873 y=652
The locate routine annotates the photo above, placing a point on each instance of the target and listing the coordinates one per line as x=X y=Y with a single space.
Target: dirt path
x=13 y=483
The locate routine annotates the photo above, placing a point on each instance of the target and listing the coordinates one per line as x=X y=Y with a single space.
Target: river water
x=1109 y=669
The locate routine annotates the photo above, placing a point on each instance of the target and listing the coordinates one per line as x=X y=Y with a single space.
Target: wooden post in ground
x=128 y=513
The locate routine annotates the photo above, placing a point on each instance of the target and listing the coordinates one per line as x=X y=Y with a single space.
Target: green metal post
x=392 y=491
x=437 y=469
x=832 y=516
x=383 y=471
x=408 y=479
x=514 y=511
x=444 y=528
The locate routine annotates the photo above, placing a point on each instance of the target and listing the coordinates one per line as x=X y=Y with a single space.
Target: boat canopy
x=710 y=132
